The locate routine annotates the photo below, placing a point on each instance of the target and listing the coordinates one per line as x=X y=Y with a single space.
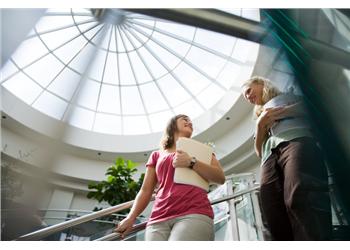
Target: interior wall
x=48 y=173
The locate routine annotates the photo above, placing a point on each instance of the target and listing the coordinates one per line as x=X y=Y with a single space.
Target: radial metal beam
x=211 y=19
x=226 y=23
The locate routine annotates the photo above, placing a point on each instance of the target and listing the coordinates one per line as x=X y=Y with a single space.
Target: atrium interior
x=82 y=88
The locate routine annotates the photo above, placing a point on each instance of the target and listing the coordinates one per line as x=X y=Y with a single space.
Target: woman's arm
x=264 y=122
x=294 y=110
x=261 y=133
x=212 y=172
x=269 y=116
x=141 y=201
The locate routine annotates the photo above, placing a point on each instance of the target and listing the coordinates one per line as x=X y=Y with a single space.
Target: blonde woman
x=294 y=189
x=180 y=212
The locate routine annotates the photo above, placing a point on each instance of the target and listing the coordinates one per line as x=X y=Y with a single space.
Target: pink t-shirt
x=172 y=199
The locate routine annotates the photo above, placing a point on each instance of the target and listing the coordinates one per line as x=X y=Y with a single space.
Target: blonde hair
x=269 y=92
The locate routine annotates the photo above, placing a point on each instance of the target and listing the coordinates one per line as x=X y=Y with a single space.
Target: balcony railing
x=231 y=199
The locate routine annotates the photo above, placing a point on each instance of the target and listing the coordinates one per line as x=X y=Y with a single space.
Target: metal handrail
x=69 y=218
x=39 y=234
x=72 y=212
x=236 y=195
x=64 y=210
x=138 y=227
x=75 y=211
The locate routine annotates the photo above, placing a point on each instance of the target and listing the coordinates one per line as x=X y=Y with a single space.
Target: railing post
x=233 y=214
x=257 y=215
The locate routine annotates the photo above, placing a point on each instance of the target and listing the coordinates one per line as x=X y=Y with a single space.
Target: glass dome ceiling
x=123 y=73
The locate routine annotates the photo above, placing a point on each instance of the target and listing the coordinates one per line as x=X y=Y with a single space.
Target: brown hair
x=168 y=139
x=269 y=91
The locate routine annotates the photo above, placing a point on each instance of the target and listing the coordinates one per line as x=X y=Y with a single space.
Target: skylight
x=122 y=73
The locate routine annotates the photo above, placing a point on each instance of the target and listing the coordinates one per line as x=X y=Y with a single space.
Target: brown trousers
x=294 y=192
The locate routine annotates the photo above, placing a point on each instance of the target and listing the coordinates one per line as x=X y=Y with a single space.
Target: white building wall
x=80 y=202
x=53 y=179
x=60 y=199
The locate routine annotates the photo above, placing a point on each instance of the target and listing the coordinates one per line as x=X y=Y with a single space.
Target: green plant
x=119 y=186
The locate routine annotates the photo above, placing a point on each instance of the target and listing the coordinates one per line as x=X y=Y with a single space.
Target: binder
x=202 y=152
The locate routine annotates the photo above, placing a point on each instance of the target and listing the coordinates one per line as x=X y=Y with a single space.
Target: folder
x=202 y=152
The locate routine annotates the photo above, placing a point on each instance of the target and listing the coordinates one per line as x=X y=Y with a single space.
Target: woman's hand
x=125 y=226
x=265 y=121
x=181 y=159
x=269 y=116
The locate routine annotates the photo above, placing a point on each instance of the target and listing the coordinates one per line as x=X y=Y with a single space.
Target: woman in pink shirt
x=180 y=211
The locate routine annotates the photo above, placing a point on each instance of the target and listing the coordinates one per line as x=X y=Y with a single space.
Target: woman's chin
x=187 y=134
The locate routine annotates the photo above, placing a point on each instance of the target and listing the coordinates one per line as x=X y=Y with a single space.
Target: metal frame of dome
x=131 y=32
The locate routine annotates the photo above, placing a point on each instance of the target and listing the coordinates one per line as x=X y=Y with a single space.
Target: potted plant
x=119 y=186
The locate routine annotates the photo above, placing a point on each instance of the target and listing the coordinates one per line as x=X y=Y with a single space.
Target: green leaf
x=91 y=195
x=130 y=164
x=110 y=179
x=120 y=161
x=92 y=185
